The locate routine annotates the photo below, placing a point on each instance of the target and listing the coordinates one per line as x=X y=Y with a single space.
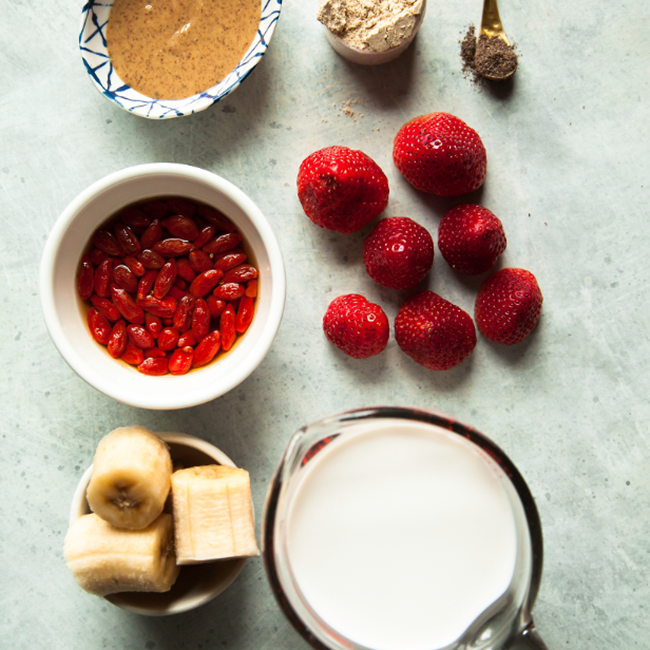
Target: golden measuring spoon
x=491 y=27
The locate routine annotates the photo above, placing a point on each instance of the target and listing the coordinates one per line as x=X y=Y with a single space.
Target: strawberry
x=507 y=306
x=398 y=253
x=434 y=332
x=470 y=238
x=341 y=189
x=356 y=326
x=440 y=154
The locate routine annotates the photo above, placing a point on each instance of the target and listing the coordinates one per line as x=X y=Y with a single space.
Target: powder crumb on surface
x=376 y=25
x=346 y=107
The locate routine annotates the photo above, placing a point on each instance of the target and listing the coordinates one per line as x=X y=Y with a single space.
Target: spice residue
x=173 y=50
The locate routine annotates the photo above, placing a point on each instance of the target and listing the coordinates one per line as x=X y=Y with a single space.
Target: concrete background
x=568 y=174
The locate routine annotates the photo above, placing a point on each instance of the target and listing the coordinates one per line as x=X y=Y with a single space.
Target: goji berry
x=244 y=314
x=153 y=366
x=132 y=354
x=85 y=278
x=186 y=339
x=205 y=235
x=154 y=353
x=135 y=217
x=153 y=324
x=105 y=307
x=205 y=282
x=229 y=260
x=200 y=319
x=146 y=283
x=231 y=291
x=99 y=327
x=139 y=336
x=165 y=279
x=124 y=278
x=185 y=270
x=168 y=339
x=152 y=235
x=135 y=266
x=207 y=349
x=200 y=261
x=103 y=276
x=96 y=256
x=164 y=308
x=215 y=305
x=127 y=238
x=251 y=289
x=182 y=206
x=181 y=360
x=124 y=302
x=117 y=340
x=151 y=260
x=227 y=327
x=241 y=273
x=182 y=227
x=222 y=243
x=173 y=247
x=106 y=242
x=183 y=313
x=216 y=218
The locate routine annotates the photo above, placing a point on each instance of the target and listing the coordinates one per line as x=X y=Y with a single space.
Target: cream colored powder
x=376 y=25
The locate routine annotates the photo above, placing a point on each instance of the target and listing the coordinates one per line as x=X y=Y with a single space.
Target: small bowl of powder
x=161 y=59
x=371 y=33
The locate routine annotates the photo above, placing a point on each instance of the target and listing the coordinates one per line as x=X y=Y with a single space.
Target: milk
x=399 y=539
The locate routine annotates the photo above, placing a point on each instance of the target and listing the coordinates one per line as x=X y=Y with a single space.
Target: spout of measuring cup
x=527 y=639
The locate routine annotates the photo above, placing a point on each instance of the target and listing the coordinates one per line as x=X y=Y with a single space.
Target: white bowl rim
x=95 y=378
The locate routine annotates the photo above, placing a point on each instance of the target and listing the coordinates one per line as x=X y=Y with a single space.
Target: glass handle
x=527 y=639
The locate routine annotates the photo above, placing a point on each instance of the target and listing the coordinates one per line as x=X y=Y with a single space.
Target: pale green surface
x=568 y=174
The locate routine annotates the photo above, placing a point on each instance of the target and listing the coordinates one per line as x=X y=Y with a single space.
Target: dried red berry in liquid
x=118 y=339
x=153 y=324
x=106 y=242
x=179 y=283
x=182 y=227
x=135 y=266
x=205 y=235
x=222 y=243
x=231 y=291
x=251 y=289
x=187 y=339
x=154 y=353
x=173 y=247
x=182 y=206
x=185 y=270
x=244 y=314
x=96 y=256
x=177 y=293
x=183 y=313
x=200 y=319
x=124 y=278
x=146 y=283
x=181 y=360
x=168 y=338
x=105 y=307
x=151 y=260
x=139 y=336
x=134 y=217
x=99 y=326
x=153 y=366
x=127 y=238
x=164 y=308
x=229 y=260
x=132 y=354
x=200 y=261
x=205 y=282
x=215 y=305
x=127 y=306
x=85 y=278
x=165 y=279
x=227 y=327
x=216 y=218
x=103 y=276
x=152 y=235
x=241 y=273
x=207 y=349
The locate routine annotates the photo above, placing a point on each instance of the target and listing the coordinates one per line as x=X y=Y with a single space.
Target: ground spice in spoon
x=494 y=58
x=490 y=57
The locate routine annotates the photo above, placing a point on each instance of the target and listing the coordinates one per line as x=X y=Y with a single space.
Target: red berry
x=440 y=154
x=357 y=327
x=341 y=189
x=434 y=332
x=508 y=305
x=470 y=238
x=398 y=253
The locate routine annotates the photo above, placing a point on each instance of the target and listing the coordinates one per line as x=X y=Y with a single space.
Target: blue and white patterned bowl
x=92 y=43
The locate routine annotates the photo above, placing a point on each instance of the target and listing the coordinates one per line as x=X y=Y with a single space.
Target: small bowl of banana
x=160 y=523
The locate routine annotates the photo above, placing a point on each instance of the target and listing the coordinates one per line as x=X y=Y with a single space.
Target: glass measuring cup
x=505 y=621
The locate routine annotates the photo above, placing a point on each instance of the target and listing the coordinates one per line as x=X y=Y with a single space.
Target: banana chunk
x=213 y=514
x=131 y=478
x=107 y=560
